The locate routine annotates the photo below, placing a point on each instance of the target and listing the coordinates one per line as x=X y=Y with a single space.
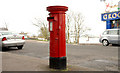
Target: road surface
x=90 y=56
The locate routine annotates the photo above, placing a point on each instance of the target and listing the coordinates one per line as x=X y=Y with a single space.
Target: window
x=105 y=33
x=6 y=33
x=115 y=24
x=113 y=32
x=118 y=23
x=119 y=32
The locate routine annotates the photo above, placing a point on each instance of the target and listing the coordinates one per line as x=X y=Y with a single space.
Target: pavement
x=0 y=61
x=14 y=62
x=35 y=55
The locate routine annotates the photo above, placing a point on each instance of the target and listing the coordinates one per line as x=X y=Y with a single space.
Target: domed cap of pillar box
x=57 y=8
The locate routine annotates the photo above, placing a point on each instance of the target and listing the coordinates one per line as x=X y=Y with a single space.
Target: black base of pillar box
x=57 y=63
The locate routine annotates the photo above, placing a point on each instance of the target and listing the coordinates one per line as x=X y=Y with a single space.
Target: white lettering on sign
x=119 y=14
x=114 y=15
x=105 y=16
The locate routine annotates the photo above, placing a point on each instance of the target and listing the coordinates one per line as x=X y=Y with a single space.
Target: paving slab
x=14 y=62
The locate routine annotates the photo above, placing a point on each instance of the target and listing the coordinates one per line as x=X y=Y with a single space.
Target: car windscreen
x=6 y=33
x=105 y=32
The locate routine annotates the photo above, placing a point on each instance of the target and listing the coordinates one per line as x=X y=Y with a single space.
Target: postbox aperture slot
x=51 y=26
x=50 y=18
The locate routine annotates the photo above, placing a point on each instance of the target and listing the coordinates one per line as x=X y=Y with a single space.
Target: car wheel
x=105 y=42
x=20 y=47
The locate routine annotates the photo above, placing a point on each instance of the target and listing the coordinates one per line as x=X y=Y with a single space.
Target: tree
x=78 y=22
x=75 y=27
x=79 y=26
x=43 y=28
x=68 y=25
x=5 y=26
x=87 y=34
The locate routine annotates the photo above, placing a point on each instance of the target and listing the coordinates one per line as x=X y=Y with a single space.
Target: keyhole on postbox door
x=51 y=26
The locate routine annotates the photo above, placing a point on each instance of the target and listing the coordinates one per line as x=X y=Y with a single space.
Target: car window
x=119 y=32
x=105 y=33
x=0 y=34
x=113 y=32
x=6 y=33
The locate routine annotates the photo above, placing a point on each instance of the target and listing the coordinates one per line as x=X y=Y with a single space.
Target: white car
x=110 y=36
x=8 y=39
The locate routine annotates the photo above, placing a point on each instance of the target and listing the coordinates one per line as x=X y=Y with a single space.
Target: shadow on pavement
x=115 y=45
x=9 y=49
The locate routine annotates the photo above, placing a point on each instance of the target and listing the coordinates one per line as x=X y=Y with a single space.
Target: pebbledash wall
x=112 y=19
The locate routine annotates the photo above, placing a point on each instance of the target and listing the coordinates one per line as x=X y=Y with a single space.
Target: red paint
x=57 y=35
x=4 y=38
x=23 y=38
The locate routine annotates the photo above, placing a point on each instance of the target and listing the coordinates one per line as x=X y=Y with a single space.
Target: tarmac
x=14 y=62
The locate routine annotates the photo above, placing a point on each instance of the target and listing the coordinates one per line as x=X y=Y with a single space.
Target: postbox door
x=62 y=39
x=54 y=41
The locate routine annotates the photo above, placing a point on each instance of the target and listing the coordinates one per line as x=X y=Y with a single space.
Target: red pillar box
x=57 y=36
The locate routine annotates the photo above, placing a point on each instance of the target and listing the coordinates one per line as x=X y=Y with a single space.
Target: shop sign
x=110 y=16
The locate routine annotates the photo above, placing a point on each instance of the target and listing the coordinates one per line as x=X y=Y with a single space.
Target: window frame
x=107 y=32
x=118 y=32
x=112 y=31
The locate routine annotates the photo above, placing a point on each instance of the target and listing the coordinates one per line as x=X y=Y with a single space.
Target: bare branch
x=43 y=29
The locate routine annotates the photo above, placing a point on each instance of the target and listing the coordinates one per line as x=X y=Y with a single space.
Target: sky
x=19 y=14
